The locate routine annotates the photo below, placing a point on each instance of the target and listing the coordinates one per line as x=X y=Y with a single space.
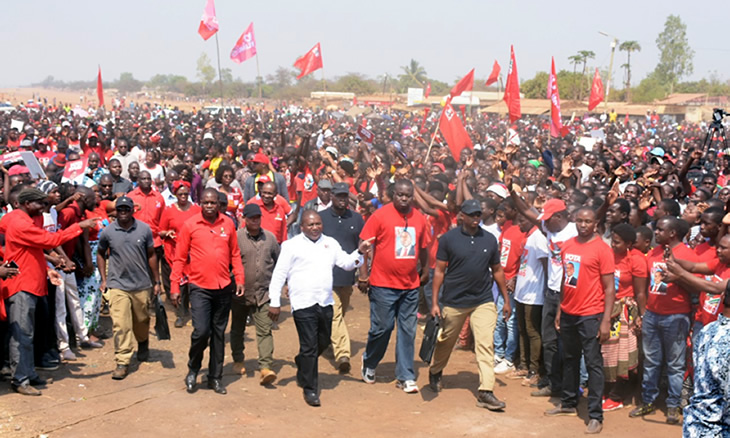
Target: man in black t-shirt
x=467 y=292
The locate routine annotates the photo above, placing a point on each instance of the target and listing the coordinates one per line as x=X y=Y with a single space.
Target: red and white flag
x=453 y=131
x=208 y=22
x=310 y=62
x=465 y=84
x=100 y=89
x=596 y=91
x=556 y=123
x=512 y=89
x=245 y=47
x=428 y=91
x=494 y=75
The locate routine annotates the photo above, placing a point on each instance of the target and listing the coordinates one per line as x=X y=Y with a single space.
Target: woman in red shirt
x=225 y=176
x=620 y=352
x=173 y=217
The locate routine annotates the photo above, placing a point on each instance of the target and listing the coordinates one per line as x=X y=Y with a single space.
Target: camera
x=718 y=114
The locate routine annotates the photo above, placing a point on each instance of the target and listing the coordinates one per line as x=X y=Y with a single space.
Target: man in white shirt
x=306 y=263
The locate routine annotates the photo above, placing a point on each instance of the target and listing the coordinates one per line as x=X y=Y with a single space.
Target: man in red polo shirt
x=151 y=205
x=207 y=243
x=665 y=324
x=584 y=317
x=273 y=214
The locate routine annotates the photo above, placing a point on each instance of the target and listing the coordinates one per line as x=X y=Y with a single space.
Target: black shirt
x=468 y=279
x=345 y=230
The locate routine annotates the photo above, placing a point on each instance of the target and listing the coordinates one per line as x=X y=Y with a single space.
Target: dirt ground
x=84 y=401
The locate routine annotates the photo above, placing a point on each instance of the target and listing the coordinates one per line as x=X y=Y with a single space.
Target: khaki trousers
x=340 y=336
x=130 y=321
x=483 y=321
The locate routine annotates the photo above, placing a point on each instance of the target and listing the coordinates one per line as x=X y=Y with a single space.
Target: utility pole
x=614 y=43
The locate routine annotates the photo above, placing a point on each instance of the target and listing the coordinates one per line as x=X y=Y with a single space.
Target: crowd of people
x=591 y=264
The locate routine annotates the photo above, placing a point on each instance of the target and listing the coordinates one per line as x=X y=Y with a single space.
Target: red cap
x=263 y=179
x=550 y=208
x=18 y=170
x=260 y=158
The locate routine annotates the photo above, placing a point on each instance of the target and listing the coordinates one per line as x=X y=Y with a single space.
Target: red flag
x=354 y=101
x=453 y=131
x=428 y=91
x=245 y=47
x=556 y=123
x=208 y=22
x=626 y=120
x=465 y=84
x=596 y=91
x=310 y=62
x=100 y=89
x=494 y=75
x=425 y=116
x=462 y=109
x=512 y=89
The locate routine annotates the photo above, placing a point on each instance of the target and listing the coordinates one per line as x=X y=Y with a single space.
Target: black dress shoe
x=311 y=398
x=38 y=381
x=217 y=386
x=190 y=381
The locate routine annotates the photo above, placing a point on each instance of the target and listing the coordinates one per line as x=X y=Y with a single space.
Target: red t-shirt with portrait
x=511 y=243
x=398 y=243
x=629 y=265
x=583 y=266
x=667 y=298
x=712 y=304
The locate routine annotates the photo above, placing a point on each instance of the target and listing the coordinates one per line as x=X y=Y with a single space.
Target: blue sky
x=68 y=39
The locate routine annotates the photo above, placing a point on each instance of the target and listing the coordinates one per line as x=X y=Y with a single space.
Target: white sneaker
x=408 y=386
x=504 y=367
x=498 y=360
x=68 y=355
x=368 y=374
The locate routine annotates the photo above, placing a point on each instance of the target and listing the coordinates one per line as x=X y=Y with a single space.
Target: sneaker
x=68 y=355
x=487 y=399
x=46 y=366
x=368 y=374
x=531 y=379
x=594 y=427
x=239 y=368
x=408 y=386
x=674 y=416
x=504 y=367
x=642 y=410
x=559 y=411
x=498 y=360
x=687 y=391
x=434 y=381
x=517 y=374
x=611 y=405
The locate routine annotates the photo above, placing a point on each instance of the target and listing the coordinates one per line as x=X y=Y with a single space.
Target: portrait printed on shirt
x=555 y=257
x=616 y=277
x=572 y=270
x=523 y=263
x=657 y=285
x=405 y=243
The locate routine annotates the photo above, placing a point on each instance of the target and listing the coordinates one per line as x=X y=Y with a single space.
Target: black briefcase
x=162 y=328
x=430 y=337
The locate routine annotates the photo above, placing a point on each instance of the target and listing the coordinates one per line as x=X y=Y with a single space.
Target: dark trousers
x=165 y=269
x=184 y=307
x=44 y=341
x=210 y=309
x=529 y=321
x=580 y=334
x=21 y=319
x=551 y=340
x=314 y=327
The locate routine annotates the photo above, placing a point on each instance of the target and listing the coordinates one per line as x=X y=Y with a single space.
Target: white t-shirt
x=495 y=231
x=555 y=265
x=157 y=173
x=529 y=288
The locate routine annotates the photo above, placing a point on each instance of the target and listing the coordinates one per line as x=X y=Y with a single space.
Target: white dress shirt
x=306 y=266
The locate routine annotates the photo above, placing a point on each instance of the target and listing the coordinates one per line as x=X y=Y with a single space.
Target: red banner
x=365 y=135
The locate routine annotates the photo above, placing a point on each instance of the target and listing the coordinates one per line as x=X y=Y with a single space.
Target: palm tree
x=415 y=71
x=584 y=55
x=575 y=60
x=628 y=47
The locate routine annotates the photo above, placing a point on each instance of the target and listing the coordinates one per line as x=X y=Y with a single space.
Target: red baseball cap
x=263 y=179
x=260 y=158
x=550 y=208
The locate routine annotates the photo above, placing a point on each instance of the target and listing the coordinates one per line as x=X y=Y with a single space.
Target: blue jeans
x=386 y=307
x=664 y=342
x=506 y=335
x=21 y=320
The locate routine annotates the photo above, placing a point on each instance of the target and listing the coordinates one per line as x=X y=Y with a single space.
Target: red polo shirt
x=24 y=244
x=208 y=250
x=273 y=219
x=150 y=212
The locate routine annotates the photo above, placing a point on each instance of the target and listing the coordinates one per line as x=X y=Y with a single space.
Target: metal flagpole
x=258 y=74
x=220 y=76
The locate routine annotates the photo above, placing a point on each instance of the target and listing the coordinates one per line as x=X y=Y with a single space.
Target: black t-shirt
x=345 y=230
x=468 y=279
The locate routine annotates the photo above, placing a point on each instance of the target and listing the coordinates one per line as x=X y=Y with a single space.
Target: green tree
x=206 y=72
x=675 y=54
x=575 y=60
x=127 y=83
x=628 y=47
x=415 y=71
x=536 y=87
x=585 y=55
x=650 y=88
x=354 y=83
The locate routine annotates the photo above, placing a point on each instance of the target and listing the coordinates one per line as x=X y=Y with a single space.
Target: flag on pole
x=245 y=47
x=453 y=131
x=556 y=123
x=311 y=61
x=512 y=89
x=428 y=91
x=465 y=84
x=494 y=75
x=100 y=89
x=208 y=22
x=596 y=91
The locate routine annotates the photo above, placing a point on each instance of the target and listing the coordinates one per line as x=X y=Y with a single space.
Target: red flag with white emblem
x=245 y=47
x=453 y=131
x=208 y=22
x=310 y=62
